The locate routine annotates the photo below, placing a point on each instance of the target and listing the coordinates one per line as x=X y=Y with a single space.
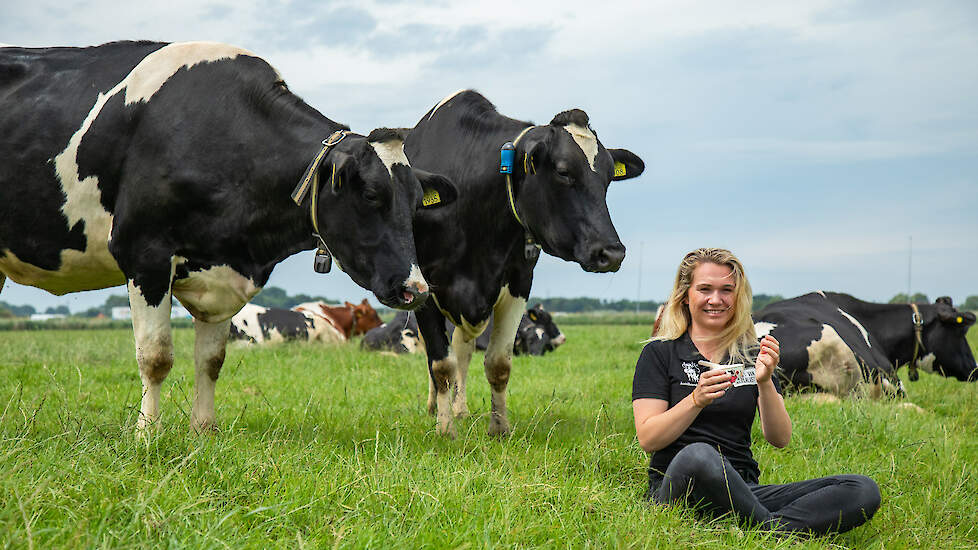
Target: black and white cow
x=170 y=168
x=259 y=325
x=835 y=343
x=536 y=335
x=473 y=253
x=400 y=335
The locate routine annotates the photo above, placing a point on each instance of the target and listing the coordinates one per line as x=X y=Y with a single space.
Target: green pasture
x=330 y=447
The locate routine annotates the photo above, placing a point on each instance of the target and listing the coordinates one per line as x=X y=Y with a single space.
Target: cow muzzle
x=605 y=258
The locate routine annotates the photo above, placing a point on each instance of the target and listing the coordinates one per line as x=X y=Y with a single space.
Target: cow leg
x=154 y=348
x=441 y=367
x=462 y=350
x=507 y=312
x=3 y=279
x=210 y=340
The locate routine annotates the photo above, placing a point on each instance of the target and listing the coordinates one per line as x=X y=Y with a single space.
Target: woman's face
x=711 y=297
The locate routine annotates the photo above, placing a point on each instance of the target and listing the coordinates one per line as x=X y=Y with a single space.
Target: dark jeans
x=699 y=475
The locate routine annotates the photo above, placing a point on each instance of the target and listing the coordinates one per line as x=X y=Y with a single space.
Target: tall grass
x=331 y=447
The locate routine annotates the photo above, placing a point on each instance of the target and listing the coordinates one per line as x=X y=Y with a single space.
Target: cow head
x=542 y=319
x=369 y=196
x=562 y=194
x=944 y=335
x=364 y=317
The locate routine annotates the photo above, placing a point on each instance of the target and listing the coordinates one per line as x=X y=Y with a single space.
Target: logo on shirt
x=692 y=370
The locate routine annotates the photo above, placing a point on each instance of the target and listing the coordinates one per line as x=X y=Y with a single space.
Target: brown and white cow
x=350 y=319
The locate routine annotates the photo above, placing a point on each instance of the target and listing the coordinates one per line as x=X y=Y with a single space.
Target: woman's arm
x=775 y=422
x=656 y=425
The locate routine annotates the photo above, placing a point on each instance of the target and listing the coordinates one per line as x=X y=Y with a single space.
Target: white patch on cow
x=822 y=293
x=927 y=362
x=892 y=389
x=210 y=341
x=156 y=68
x=832 y=364
x=507 y=313
x=763 y=328
x=444 y=101
x=214 y=294
x=154 y=350
x=586 y=140
x=323 y=328
x=409 y=340
x=539 y=332
x=462 y=349
x=391 y=152
x=559 y=340
x=7 y=45
x=858 y=325
x=416 y=280
x=246 y=321
x=318 y=310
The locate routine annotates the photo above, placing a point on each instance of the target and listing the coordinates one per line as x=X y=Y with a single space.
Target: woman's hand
x=767 y=359
x=712 y=385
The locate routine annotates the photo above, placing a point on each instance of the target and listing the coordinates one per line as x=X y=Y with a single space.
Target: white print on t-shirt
x=692 y=370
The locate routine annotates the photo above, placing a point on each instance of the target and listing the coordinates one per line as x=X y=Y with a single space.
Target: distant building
x=46 y=316
x=176 y=312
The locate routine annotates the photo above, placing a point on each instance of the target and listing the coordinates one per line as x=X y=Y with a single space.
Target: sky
x=829 y=144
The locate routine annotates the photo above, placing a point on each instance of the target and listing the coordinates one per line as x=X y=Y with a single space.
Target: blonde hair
x=738 y=337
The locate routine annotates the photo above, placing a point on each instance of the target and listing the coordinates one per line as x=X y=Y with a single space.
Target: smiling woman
x=694 y=411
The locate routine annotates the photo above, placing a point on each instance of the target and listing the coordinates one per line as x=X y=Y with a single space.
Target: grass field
x=331 y=447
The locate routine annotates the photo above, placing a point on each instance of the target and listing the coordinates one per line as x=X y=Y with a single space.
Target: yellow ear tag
x=619 y=169
x=960 y=320
x=431 y=197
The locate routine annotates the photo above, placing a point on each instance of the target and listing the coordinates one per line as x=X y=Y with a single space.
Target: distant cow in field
x=173 y=168
x=400 y=335
x=536 y=335
x=479 y=255
x=258 y=324
x=835 y=343
x=349 y=318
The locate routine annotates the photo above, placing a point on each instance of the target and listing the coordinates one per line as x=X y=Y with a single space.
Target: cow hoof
x=448 y=431
x=499 y=429
x=204 y=427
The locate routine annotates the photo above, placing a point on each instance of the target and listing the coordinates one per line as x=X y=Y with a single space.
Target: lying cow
x=258 y=325
x=350 y=319
x=479 y=255
x=536 y=335
x=173 y=168
x=836 y=343
x=400 y=335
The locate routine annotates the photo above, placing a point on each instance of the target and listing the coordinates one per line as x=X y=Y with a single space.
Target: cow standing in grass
x=171 y=168
x=835 y=343
x=475 y=254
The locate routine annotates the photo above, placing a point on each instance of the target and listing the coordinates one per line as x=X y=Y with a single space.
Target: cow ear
x=532 y=314
x=337 y=169
x=438 y=190
x=364 y=302
x=945 y=300
x=349 y=305
x=627 y=164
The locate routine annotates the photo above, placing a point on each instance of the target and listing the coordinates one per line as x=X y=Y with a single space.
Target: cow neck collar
x=918 y=343
x=531 y=250
x=310 y=183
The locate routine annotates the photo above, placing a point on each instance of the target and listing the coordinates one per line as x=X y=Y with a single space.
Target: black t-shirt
x=669 y=370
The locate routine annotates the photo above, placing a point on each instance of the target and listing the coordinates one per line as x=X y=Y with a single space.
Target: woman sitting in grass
x=695 y=416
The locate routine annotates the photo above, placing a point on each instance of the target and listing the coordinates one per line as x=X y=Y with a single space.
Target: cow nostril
x=610 y=257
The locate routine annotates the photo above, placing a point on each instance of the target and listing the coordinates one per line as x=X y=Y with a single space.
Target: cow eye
x=371 y=196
